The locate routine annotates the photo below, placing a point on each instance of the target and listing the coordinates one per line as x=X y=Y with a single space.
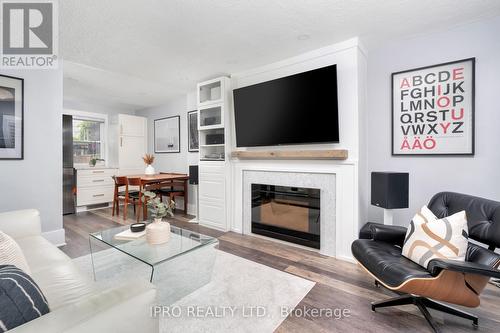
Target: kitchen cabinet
x=94 y=186
x=128 y=143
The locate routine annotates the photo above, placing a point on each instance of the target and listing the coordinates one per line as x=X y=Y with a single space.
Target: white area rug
x=242 y=296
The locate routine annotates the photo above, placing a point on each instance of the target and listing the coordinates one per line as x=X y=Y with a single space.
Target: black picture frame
x=193 y=138
x=472 y=109
x=173 y=137
x=6 y=153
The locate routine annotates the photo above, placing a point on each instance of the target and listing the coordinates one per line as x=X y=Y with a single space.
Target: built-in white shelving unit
x=214 y=104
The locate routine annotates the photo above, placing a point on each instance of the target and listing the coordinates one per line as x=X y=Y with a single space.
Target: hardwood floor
x=340 y=286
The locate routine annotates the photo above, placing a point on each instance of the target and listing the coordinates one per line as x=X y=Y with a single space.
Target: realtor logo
x=29 y=34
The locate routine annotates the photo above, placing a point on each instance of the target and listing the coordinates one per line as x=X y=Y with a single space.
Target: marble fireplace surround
x=324 y=182
x=338 y=221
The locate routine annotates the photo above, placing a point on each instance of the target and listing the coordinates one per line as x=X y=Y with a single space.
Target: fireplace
x=287 y=213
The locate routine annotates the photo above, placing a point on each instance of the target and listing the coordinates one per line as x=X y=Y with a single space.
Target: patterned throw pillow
x=11 y=253
x=20 y=298
x=429 y=237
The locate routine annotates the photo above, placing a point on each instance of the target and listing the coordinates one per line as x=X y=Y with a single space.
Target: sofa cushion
x=11 y=254
x=430 y=238
x=125 y=309
x=40 y=253
x=386 y=263
x=21 y=223
x=63 y=284
x=54 y=272
x=21 y=300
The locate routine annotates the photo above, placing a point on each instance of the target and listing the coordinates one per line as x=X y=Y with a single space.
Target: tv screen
x=296 y=109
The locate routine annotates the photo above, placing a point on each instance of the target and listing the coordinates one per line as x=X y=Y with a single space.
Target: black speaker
x=193 y=174
x=214 y=139
x=390 y=189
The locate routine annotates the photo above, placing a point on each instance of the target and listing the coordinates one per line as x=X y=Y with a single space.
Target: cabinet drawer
x=212 y=186
x=95 y=180
x=97 y=172
x=212 y=167
x=94 y=195
x=212 y=213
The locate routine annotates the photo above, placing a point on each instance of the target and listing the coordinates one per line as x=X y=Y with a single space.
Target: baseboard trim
x=346 y=258
x=191 y=209
x=56 y=237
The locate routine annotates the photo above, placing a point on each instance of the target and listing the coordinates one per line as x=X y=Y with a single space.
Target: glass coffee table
x=177 y=268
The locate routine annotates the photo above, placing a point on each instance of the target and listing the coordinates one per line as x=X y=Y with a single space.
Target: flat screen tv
x=296 y=109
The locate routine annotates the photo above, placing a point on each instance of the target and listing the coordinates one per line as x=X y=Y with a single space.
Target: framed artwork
x=167 y=135
x=11 y=118
x=433 y=109
x=193 y=144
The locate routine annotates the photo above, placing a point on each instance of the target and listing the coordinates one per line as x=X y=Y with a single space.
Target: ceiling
x=138 y=54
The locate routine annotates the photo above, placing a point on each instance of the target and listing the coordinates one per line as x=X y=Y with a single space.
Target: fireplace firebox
x=287 y=213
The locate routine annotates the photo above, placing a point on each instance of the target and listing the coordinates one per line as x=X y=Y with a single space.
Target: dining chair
x=124 y=195
x=173 y=188
x=136 y=197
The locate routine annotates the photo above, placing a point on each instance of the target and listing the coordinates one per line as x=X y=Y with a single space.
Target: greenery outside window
x=88 y=140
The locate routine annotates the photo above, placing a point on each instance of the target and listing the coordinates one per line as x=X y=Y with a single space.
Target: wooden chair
x=173 y=189
x=136 y=197
x=121 y=195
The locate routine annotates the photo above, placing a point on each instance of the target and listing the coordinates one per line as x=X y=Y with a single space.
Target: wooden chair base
x=423 y=303
x=448 y=286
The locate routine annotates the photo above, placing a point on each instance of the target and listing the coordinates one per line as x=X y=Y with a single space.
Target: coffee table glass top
x=181 y=241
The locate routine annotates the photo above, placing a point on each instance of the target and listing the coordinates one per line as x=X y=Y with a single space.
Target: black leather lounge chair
x=450 y=281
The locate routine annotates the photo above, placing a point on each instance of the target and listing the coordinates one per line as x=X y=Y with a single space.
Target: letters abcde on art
x=433 y=110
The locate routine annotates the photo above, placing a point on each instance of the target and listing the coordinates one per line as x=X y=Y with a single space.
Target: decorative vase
x=158 y=232
x=149 y=170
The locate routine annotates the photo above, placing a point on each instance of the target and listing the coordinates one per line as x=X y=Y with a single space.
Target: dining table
x=156 y=181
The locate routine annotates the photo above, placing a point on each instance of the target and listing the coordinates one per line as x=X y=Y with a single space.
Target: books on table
x=129 y=235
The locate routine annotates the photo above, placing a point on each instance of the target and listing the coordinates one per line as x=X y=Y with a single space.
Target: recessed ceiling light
x=303 y=37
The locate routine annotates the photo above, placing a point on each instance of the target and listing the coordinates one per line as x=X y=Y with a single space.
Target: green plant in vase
x=158 y=232
x=157 y=208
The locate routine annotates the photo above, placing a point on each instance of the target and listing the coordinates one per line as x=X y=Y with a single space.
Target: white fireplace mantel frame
x=346 y=196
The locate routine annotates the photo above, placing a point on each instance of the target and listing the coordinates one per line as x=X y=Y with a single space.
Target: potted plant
x=149 y=159
x=157 y=208
x=158 y=232
x=93 y=161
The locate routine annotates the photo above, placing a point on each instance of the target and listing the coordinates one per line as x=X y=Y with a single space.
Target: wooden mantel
x=331 y=154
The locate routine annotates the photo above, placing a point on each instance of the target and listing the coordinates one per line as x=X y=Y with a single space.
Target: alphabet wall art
x=433 y=110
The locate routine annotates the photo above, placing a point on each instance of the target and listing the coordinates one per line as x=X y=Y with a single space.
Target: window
x=88 y=140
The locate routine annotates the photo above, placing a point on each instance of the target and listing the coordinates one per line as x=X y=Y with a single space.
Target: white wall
x=477 y=175
x=36 y=181
x=173 y=162
x=95 y=108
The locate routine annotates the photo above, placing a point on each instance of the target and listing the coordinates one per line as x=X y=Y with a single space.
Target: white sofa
x=76 y=305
